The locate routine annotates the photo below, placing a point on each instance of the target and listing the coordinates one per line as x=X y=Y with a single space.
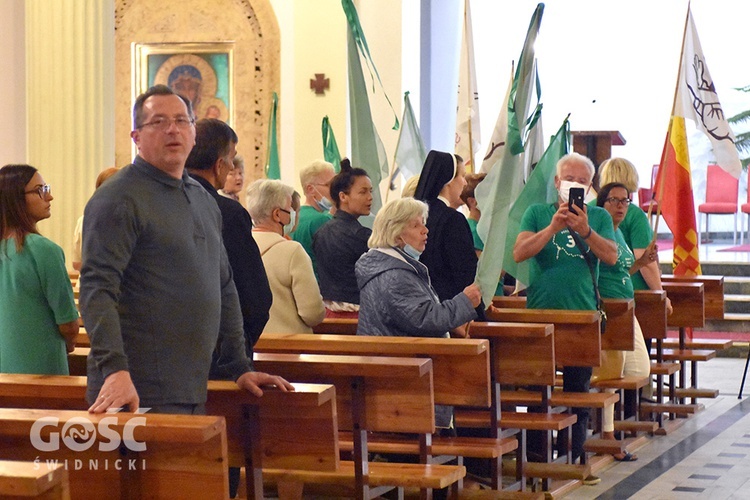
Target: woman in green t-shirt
x=615 y=283
x=38 y=316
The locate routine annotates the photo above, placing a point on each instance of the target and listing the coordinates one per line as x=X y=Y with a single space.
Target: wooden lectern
x=597 y=145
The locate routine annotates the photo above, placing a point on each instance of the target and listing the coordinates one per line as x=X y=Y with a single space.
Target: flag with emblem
x=504 y=182
x=467 y=110
x=695 y=99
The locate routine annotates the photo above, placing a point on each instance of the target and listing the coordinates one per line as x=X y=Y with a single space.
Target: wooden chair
x=721 y=197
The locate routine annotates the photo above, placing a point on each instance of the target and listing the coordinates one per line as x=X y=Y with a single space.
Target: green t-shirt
x=637 y=233
x=478 y=244
x=35 y=297
x=559 y=275
x=310 y=220
x=614 y=281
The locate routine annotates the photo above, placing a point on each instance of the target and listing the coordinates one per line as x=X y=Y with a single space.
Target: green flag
x=368 y=151
x=273 y=170
x=330 y=148
x=539 y=188
x=410 y=150
x=496 y=194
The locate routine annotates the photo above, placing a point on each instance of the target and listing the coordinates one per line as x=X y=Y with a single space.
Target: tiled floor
x=707 y=457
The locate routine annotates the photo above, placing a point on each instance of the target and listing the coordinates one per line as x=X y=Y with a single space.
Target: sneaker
x=591 y=480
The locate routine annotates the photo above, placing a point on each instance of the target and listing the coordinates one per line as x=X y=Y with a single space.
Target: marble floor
x=707 y=457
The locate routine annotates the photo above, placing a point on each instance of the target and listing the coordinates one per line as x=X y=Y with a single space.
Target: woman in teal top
x=615 y=283
x=38 y=316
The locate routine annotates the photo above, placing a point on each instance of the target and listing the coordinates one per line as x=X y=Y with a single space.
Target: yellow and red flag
x=695 y=99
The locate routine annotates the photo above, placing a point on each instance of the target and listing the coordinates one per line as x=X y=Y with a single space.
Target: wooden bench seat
x=711 y=344
x=629 y=383
x=29 y=480
x=667 y=368
x=559 y=398
x=688 y=355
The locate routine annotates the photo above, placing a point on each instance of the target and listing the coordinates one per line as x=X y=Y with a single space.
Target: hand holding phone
x=575 y=199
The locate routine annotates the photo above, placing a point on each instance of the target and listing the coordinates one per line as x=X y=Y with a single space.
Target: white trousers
x=634 y=363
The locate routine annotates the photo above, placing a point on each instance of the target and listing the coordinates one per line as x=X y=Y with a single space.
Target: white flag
x=700 y=103
x=467 y=112
x=497 y=143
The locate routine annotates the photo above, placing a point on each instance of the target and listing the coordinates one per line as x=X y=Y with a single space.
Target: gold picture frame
x=202 y=72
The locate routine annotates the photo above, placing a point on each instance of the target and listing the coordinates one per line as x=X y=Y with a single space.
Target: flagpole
x=660 y=174
x=469 y=95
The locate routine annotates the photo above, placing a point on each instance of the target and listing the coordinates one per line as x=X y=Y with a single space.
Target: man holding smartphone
x=560 y=278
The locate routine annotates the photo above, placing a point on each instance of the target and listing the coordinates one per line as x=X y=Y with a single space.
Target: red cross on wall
x=320 y=84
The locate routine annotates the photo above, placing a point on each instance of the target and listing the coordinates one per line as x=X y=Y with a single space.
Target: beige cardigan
x=297 y=303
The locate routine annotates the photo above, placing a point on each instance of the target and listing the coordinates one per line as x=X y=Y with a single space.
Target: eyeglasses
x=618 y=201
x=162 y=123
x=43 y=191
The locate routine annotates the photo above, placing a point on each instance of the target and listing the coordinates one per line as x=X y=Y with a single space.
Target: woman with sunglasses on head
x=38 y=316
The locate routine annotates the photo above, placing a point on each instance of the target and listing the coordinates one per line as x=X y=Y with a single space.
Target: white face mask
x=288 y=227
x=565 y=189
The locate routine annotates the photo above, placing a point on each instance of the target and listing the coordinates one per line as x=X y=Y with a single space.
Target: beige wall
x=12 y=89
x=69 y=102
x=314 y=41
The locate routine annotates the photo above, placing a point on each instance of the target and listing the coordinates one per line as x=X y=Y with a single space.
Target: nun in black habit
x=449 y=254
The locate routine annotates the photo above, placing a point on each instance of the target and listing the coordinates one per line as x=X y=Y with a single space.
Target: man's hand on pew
x=252 y=382
x=116 y=392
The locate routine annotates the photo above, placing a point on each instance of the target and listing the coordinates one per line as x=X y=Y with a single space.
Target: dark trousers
x=576 y=379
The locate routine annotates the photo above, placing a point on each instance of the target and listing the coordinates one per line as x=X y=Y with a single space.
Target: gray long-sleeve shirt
x=156 y=287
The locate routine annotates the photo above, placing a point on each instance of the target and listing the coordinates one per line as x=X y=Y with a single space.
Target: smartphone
x=575 y=198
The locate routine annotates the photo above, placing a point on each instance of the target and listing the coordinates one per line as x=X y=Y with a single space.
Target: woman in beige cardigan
x=297 y=303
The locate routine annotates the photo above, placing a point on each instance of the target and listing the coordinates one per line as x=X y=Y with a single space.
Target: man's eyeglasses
x=43 y=191
x=162 y=123
x=618 y=201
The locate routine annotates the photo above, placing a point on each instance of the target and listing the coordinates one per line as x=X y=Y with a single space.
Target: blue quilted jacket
x=397 y=299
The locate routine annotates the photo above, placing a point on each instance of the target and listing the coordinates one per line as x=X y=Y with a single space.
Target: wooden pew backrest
x=651 y=311
x=469 y=357
x=687 y=304
x=713 y=292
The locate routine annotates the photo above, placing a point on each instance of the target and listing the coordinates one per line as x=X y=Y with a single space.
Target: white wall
x=12 y=89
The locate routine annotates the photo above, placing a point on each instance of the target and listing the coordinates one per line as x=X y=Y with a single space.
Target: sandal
x=627 y=457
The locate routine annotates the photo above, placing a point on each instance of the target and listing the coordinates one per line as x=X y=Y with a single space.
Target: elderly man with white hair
x=560 y=241
x=297 y=303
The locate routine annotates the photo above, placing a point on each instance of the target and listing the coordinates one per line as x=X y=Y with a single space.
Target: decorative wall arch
x=252 y=27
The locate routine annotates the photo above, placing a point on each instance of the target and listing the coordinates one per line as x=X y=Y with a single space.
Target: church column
x=70 y=102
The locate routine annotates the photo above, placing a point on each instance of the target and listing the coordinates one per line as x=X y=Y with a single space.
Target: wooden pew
x=375 y=394
x=713 y=292
x=29 y=480
x=182 y=456
x=300 y=426
x=524 y=355
x=575 y=337
x=461 y=372
x=688 y=299
x=651 y=311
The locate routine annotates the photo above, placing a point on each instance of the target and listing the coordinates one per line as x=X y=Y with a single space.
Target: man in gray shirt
x=156 y=287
